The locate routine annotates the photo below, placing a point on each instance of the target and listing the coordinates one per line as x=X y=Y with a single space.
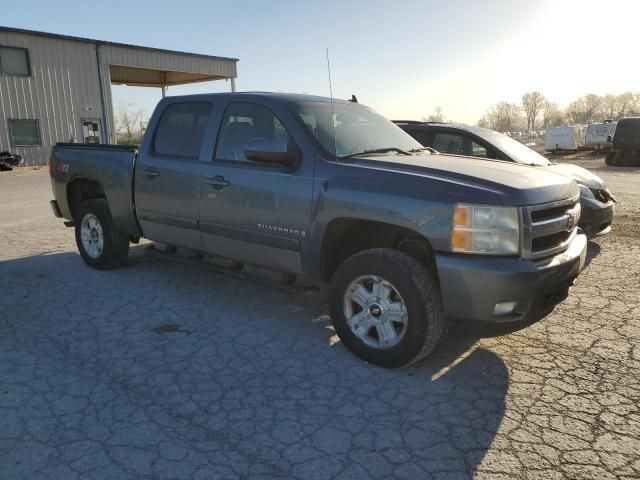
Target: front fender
x=393 y=205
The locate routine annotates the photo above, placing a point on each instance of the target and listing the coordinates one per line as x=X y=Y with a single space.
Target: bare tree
x=592 y=105
x=552 y=115
x=586 y=108
x=532 y=105
x=436 y=116
x=626 y=104
x=503 y=117
x=609 y=105
x=575 y=111
x=128 y=124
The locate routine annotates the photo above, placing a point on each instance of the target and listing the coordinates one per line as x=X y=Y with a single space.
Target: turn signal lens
x=461 y=217
x=460 y=240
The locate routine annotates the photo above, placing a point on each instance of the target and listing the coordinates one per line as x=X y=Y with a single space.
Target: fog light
x=504 y=308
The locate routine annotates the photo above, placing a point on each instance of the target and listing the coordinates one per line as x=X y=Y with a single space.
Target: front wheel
x=101 y=245
x=386 y=307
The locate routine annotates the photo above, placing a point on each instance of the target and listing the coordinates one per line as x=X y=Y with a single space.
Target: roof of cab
x=459 y=126
x=629 y=121
x=280 y=96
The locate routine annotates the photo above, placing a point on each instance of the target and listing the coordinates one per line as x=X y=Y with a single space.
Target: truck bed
x=111 y=166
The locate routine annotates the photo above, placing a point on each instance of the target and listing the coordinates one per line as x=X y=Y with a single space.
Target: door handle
x=151 y=172
x=218 y=182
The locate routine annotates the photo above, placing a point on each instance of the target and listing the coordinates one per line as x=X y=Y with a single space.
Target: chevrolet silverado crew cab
x=407 y=238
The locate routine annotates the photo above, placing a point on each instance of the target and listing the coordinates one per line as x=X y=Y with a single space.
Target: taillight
x=55 y=166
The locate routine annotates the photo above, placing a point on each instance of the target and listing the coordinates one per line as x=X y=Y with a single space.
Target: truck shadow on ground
x=593 y=250
x=245 y=369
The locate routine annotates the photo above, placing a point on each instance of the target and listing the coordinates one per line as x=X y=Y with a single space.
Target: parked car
x=597 y=136
x=564 y=138
x=595 y=198
x=9 y=160
x=626 y=143
x=333 y=191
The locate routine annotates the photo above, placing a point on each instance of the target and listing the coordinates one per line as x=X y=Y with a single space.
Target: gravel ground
x=172 y=368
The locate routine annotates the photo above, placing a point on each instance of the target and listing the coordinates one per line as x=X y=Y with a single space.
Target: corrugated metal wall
x=62 y=90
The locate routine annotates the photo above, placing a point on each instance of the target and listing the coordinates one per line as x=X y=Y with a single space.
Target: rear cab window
x=181 y=129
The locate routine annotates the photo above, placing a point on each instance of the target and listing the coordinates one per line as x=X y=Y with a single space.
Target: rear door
x=168 y=174
x=252 y=211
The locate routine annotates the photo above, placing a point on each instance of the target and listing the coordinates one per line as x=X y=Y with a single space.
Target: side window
x=478 y=150
x=242 y=123
x=181 y=129
x=448 y=143
x=425 y=138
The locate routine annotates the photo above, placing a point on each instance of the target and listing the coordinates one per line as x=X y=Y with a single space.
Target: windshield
x=357 y=129
x=519 y=152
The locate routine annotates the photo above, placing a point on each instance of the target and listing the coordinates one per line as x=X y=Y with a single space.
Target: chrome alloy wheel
x=375 y=312
x=91 y=235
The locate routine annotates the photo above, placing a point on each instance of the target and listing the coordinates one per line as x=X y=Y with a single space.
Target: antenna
x=333 y=127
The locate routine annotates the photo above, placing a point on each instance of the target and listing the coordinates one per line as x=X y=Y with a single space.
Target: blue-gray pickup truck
x=407 y=238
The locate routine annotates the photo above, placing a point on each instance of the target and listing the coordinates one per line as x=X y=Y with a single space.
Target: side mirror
x=270 y=150
x=609 y=138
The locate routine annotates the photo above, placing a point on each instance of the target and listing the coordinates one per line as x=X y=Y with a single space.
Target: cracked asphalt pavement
x=175 y=368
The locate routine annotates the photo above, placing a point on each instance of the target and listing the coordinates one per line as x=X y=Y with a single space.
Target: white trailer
x=564 y=138
x=597 y=134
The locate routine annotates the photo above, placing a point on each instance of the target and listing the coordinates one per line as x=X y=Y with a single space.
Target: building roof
x=114 y=44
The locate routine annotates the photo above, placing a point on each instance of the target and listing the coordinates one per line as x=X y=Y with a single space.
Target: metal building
x=57 y=88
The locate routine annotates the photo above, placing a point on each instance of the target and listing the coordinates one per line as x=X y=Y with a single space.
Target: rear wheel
x=101 y=245
x=610 y=159
x=386 y=307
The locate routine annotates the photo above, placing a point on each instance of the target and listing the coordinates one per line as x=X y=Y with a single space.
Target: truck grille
x=549 y=228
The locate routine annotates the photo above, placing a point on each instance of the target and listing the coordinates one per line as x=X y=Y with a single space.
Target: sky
x=403 y=57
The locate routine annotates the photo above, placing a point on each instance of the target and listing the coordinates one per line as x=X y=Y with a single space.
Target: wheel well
x=345 y=237
x=81 y=190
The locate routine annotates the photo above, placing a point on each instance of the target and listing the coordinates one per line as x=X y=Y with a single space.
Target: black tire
x=610 y=159
x=115 y=243
x=418 y=288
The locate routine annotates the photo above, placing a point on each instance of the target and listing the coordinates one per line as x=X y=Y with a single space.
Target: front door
x=168 y=173
x=250 y=211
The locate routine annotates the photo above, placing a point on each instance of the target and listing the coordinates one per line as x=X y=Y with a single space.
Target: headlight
x=586 y=192
x=485 y=230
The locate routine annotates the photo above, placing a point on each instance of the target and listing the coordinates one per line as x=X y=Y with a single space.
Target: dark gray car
x=407 y=239
x=595 y=198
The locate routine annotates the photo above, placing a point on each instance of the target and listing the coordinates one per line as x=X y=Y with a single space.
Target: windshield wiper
x=428 y=149
x=376 y=150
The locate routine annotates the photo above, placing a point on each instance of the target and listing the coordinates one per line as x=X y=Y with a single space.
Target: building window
x=14 y=61
x=24 y=133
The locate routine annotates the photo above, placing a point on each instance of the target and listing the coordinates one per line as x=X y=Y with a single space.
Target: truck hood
x=513 y=184
x=581 y=175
